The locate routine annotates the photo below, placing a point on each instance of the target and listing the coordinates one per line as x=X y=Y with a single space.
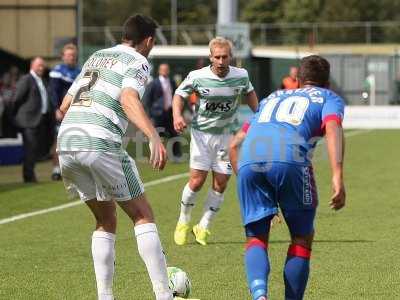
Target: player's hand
x=179 y=124
x=158 y=153
x=59 y=115
x=338 y=198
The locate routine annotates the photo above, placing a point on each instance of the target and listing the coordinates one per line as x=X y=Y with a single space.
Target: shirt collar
x=35 y=75
x=129 y=49
x=216 y=76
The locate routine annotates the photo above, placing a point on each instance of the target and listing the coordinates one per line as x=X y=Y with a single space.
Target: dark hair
x=314 y=70
x=137 y=28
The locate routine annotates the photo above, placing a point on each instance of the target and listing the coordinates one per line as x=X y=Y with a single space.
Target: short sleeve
x=249 y=86
x=136 y=76
x=73 y=89
x=333 y=109
x=186 y=87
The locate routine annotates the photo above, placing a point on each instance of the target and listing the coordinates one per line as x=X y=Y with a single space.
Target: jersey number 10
x=291 y=110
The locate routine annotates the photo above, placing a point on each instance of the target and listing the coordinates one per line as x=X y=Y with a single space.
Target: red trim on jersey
x=245 y=126
x=299 y=251
x=256 y=242
x=332 y=117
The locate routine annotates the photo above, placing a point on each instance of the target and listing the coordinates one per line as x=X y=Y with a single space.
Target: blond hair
x=69 y=46
x=220 y=42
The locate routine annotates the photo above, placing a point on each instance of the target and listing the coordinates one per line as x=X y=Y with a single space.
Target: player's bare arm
x=135 y=112
x=234 y=147
x=335 y=146
x=177 y=108
x=252 y=100
x=66 y=103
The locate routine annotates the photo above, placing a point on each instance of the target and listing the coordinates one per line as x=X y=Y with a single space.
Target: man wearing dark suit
x=158 y=102
x=34 y=115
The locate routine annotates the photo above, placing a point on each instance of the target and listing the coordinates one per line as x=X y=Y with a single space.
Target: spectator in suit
x=290 y=82
x=158 y=102
x=61 y=78
x=34 y=115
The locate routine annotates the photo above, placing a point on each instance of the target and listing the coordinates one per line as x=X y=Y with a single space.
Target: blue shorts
x=263 y=187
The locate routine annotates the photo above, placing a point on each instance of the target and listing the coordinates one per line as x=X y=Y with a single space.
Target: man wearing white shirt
x=158 y=102
x=33 y=113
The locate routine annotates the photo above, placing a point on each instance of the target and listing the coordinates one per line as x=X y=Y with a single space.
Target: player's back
x=288 y=124
x=96 y=121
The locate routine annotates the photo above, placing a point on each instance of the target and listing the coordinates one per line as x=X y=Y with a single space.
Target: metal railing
x=266 y=33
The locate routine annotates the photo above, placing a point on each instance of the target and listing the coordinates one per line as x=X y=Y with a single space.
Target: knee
x=196 y=183
x=220 y=186
x=107 y=223
x=141 y=213
x=143 y=219
x=303 y=241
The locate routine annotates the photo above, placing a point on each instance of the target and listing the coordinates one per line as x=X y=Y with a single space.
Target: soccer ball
x=179 y=282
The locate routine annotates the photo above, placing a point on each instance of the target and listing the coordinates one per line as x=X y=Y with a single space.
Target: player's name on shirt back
x=315 y=94
x=98 y=61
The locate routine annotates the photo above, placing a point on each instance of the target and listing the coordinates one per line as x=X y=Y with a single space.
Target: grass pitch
x=355 y=255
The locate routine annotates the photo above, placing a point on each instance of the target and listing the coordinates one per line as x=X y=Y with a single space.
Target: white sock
x=151 y=252
x=214 y=201
x=187 y=203
x=103 y=259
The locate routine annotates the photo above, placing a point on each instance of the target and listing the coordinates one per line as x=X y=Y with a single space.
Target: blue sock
x=257 y=267
x=297 y=269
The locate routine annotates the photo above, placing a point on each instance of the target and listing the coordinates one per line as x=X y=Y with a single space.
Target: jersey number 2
x=291 y=110
x=81 y=96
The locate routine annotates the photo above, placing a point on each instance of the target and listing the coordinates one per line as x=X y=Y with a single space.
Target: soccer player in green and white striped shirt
x=220 y=88
x=98 y=106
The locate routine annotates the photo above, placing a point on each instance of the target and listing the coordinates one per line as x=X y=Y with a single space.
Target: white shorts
x=210 y=152
x=100 y=175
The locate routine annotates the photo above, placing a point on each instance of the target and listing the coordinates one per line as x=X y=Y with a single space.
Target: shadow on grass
x=7 y=187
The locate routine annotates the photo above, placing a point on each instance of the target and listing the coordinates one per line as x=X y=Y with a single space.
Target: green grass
x=355 y=255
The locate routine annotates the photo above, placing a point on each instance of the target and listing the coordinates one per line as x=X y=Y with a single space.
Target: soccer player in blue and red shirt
x=274 y=170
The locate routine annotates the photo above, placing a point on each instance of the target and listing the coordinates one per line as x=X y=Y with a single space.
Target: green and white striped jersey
x=95 y=120
x=219 y=98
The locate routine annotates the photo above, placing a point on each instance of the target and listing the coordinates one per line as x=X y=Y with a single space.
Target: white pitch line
x=347 y=135
x=357 y=132
x=75 y=203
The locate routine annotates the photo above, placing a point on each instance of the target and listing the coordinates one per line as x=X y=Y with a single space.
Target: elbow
x=128 y=95
x=177 y=99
